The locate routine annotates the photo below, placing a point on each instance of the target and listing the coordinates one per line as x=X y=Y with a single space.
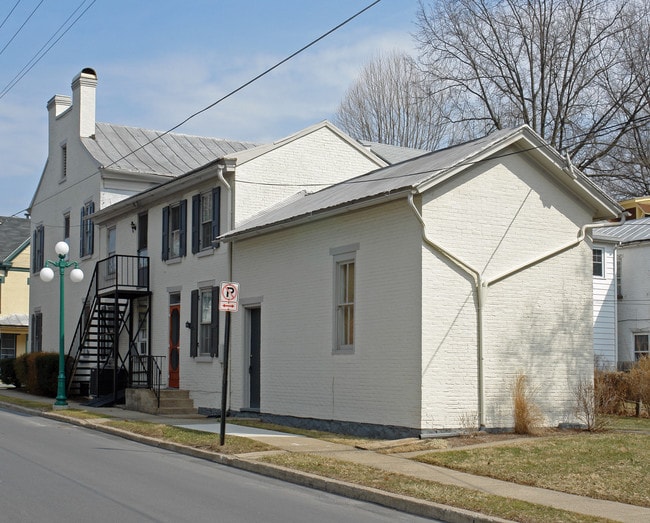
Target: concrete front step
x=172 y=402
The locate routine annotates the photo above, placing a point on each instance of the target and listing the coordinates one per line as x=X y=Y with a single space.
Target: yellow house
x=14 y=285
x=636 y=207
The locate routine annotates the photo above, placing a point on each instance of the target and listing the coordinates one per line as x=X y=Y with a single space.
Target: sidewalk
x=391 y=463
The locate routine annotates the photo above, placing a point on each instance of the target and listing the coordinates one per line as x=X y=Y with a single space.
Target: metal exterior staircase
x=97 y=366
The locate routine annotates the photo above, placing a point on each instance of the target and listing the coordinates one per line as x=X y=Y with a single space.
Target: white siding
x=634 y=307
x=605 y=305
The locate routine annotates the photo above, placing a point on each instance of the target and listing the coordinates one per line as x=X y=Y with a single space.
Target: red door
x=174 y=334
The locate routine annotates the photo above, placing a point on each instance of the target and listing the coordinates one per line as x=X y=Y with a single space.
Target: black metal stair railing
x=106 y=311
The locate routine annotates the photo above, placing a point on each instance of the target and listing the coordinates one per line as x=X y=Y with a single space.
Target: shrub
x=8 y=372
x=528 y=416
x=38 y=372
x=611 y=388
x=590 y=398
x=639 y=383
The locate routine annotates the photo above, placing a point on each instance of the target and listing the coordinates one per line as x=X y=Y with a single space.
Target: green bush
x=8 y=372
x=38 y=372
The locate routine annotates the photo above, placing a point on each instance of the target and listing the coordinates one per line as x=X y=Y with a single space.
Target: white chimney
x=83 y=101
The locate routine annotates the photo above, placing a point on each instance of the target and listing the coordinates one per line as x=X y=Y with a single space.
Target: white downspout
x=482 y=286
x=229 y=224
x=481 y=295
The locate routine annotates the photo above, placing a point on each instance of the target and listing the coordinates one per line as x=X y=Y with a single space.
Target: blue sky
x=159 y=61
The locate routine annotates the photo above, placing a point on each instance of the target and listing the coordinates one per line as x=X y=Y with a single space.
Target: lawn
x=612 y=466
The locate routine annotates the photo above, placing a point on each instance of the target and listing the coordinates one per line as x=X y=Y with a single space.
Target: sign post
x=228 y=302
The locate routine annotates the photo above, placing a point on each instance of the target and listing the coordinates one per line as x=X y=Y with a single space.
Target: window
x=204 y=324
x=598 y=263
x=87 y=232
x=640 y=346
x=38 y=241
x=174 y=230
x=66 y=228
x=64 y=161
x=7 y=346
x=111 y=237
x=37 y=331
x=205 y=219
x=344 y=297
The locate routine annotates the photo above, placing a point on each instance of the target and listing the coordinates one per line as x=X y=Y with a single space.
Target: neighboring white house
x=377 y=303
x=605 y=301
x=632 y=265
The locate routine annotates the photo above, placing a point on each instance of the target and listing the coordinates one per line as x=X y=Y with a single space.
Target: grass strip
x=191 y=438
x=432 y=491
x=29 y=404
x=609 y=466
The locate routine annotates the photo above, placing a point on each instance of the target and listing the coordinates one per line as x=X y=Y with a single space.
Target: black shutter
x=183 y=227
x=194 y=322
x=41 y=246
x=196 y=222
x=216 y=215
x=214 y=323
x=165 y=233
x=91 y=225
x=82 y=228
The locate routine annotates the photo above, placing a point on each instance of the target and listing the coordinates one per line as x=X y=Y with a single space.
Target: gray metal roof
x=392 y=179
x=14 y=320
x=416 y=174
x=157 y=153
x=13 y=233
x=392 y=153
x=631 y=231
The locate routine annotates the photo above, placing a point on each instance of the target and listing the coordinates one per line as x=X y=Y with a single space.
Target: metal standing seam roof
x=393 y=153
x=136 y=150
x=398 y=178
x=394 y=178
x=631 y=231
x=13 y=233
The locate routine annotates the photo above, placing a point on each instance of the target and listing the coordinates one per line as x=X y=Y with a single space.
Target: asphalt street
x=56 y=472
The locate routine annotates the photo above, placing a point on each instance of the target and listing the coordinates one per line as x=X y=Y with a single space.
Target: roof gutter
x=482 y=284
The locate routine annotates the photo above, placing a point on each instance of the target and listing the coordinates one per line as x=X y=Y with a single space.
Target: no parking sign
x=229 y=296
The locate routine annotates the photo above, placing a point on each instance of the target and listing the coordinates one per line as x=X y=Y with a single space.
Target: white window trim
x=343 y=254
x=602 y=262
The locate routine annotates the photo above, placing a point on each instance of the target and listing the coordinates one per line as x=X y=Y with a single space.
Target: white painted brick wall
x=537 y=322
x=293 y=271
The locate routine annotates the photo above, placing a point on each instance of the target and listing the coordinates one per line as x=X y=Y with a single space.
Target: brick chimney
x=83 y=101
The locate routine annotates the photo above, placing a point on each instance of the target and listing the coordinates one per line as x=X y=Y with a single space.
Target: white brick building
x=469 y=266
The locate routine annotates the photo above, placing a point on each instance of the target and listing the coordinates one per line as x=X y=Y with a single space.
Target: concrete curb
x=398 y=502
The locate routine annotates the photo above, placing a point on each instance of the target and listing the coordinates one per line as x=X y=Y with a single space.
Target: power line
x=21 y=27
x=231 y=93
x=36 y=58
x=10 y=12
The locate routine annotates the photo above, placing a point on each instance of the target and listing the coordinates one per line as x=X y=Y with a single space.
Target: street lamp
x=47 y=275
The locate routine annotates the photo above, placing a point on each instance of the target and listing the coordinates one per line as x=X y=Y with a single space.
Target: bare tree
x=390 y=103
x=568 y=68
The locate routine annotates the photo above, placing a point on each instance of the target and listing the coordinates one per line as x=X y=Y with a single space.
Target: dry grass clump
x=528 y=416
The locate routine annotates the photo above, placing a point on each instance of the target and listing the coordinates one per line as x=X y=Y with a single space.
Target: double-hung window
x=204 y=322
x=205 y=219
x=87 y=233
x=174 y=230
x=7 y=346
x=344 y=297
x=599 y=263
x=640 y=346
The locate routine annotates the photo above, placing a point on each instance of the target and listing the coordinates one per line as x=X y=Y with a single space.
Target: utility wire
x=231 y=93
x=21 y=27
x=36 y=58
x=10 y=12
